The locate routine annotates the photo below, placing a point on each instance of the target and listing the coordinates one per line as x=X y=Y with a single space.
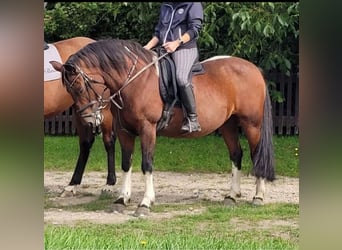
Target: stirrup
x=191 y=126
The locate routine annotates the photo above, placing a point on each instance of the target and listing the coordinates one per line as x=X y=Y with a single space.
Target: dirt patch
x=170 y=188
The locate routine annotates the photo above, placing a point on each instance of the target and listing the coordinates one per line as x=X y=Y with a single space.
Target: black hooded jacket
x=177 y=18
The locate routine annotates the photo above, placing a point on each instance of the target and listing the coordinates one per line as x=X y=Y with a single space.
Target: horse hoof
x=142 y=211
x=69 y=191
x=257 y=201
x=229 y=201
x=107 y=190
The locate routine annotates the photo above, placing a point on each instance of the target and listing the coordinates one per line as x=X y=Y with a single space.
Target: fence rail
x=285 y=114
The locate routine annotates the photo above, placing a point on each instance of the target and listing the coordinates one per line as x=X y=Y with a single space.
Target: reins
x=130 y=79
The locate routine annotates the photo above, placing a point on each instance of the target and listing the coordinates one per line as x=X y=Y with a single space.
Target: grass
x=206 y=154
x=217 y=227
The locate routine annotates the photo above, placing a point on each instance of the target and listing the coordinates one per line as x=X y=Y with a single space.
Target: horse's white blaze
x=126 y=186
x=149 y=195
x=235 y=190
x=260 y=188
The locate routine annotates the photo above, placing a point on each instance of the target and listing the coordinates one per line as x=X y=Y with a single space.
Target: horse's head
x=88 y=91
x=112 y=64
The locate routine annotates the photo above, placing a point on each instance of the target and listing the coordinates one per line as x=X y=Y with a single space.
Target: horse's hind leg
x=230 y=135
x=127 y=142
x=253 y=134
x=86 y=140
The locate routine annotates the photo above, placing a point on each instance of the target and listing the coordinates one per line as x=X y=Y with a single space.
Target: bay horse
x=230 y=93
x=57 y=100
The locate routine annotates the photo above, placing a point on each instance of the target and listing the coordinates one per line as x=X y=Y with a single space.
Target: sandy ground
x=170 y=188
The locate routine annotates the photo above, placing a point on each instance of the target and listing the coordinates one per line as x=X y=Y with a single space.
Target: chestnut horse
x=57 y=100
x=230 y=93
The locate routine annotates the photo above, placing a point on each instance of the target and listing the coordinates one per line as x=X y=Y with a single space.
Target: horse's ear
x=56 y=65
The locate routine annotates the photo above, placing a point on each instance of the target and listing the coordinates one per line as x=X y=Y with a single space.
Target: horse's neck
x=140 y=89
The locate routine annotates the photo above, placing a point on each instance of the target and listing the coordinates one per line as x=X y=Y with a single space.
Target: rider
x=177 y=31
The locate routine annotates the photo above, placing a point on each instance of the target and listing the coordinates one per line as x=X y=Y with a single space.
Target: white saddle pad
x=51 y=54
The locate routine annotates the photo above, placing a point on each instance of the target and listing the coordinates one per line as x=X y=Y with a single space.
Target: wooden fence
x=61 y=124
x=285 y=114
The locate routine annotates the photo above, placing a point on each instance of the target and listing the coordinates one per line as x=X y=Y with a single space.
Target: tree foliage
x=98 y=20
x=266 y=33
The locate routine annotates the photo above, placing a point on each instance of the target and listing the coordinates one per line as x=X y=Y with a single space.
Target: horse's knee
x=109 y=143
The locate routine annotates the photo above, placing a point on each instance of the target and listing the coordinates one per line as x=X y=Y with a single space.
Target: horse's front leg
x=127 y=148
x=148 y=141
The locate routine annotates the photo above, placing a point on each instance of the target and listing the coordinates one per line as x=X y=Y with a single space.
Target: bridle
x=100 y=100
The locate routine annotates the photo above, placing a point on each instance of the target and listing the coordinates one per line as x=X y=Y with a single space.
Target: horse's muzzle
x=93 y=120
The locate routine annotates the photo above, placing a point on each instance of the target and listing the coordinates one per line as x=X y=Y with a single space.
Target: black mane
x=110 y=53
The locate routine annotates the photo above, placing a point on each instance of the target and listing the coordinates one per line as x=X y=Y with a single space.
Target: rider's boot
x=190 y=123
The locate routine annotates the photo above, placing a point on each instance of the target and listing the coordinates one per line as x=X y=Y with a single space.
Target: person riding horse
x=177 y=31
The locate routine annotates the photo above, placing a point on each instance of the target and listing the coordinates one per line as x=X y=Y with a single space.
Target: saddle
x=168 y=86
x=51 y=54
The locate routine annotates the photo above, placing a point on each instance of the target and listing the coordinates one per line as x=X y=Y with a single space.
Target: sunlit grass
x=207 y=154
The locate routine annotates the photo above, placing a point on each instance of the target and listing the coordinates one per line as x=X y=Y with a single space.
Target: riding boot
x=188 y=99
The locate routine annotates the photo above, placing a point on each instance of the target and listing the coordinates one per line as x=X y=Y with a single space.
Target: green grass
x=207 y=154
x=274 y=226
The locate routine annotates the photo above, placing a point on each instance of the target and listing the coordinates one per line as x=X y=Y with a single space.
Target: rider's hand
x=171 y=46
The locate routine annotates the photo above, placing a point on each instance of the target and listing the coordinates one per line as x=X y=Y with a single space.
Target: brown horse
x=231 y=93
x=57 y=100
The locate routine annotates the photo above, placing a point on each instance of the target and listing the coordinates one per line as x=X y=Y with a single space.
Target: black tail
x=263 y=157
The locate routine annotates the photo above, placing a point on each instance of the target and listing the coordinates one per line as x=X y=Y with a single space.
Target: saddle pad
x=51 y=54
